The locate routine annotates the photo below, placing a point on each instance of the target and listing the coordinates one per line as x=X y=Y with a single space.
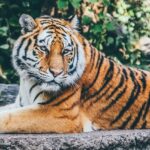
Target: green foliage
x=118 y=30
x=113 y=27
x=62 y=4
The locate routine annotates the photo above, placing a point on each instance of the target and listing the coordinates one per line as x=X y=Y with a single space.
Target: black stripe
x=21 y=65
x=60 y=34
x=133 y=96
x=34 y=54
x=115 y=100
x=51 y=31
x=144 y=73
x=124 y=124
x=20 y=102
x=144 y=125
x=106 y=90
x=143 y=80
x=103 y=94
x=99 y=63
x=43 y=40
x=63 y=100
x=147 y=107
x=77 y=56
x=71 y=65
x=92 y=57
x=75 y=67
x=36 y=64
x=54 y=98
x=121 y=83
x=35 y=38
x=49 y=101
x=125 y=73
x=59 y=26
x=72 y=71
x=30 y=59
x=64 y=36
x=137 y=119
x=68 y=117
x=73 y=59
x=72 y=106
x=108 y=77
x=47 y=27
x=37 y=96
x=32 y=87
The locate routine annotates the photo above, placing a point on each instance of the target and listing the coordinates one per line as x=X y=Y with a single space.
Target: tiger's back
x=117 y=96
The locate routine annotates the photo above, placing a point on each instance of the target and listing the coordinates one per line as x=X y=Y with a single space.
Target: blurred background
x=119 y=28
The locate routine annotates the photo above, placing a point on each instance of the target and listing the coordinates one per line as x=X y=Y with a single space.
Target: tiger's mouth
x=51 y=86
x=53 y=82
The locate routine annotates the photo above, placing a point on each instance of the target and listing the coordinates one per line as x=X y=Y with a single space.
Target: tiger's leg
x=37 y=119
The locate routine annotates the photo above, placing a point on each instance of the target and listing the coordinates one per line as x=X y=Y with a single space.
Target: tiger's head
x=49 y=52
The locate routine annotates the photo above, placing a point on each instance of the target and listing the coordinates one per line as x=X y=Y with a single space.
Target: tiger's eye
x=43 y=48
x=41 y=41
x=65 y=52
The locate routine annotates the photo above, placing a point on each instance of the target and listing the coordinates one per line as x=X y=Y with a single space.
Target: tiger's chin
x=50 y=87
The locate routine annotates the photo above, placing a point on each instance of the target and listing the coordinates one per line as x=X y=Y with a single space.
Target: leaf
x=2 y=4
x=75 y=3
x=93 y=1
x=110 y=26
x=106 y=2
x=62 y=4
x=139 y=14
x=86 y=20
x=14 y=6
x=101 y=15
x=13 y=21
x=4 y=46
x=110 y=40
x=121 y=11
x=2 y=73
x=3 y=31
x=96 y=28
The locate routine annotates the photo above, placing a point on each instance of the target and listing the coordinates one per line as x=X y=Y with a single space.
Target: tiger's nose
x=55 y=72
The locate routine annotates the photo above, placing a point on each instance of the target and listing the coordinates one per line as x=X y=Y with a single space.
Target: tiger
x=68 y=86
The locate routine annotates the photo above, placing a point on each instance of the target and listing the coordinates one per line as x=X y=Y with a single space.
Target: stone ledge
x=129 y=139
x=117 y=139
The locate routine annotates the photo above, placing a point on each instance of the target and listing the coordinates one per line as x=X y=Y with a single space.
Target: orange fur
x=109 y=95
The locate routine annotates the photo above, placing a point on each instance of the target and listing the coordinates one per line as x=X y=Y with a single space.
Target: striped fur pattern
x=67 y=86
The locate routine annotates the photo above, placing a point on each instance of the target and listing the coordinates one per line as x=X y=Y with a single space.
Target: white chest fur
x=29 y=92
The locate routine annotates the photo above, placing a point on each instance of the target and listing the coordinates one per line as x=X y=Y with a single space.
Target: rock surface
x=8 y=93
x=135 y=139
x=117 y=139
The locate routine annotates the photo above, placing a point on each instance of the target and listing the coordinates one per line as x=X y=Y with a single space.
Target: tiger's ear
x=27 y=23
x=74 y=22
